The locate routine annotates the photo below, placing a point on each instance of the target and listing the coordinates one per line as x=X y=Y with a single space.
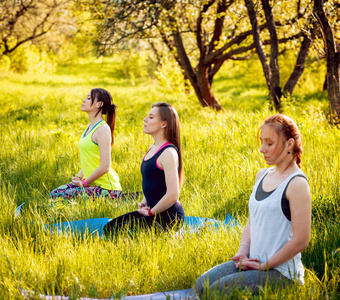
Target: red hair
x=287 y=129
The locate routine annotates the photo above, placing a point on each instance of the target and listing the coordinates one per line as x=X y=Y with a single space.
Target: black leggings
x=135 y=220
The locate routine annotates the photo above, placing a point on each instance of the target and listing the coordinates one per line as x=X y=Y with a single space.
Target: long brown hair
x=287 y=129
x=108 y=108
x=172 y=133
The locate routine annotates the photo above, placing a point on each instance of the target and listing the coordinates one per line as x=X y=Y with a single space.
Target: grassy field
x=41 y=123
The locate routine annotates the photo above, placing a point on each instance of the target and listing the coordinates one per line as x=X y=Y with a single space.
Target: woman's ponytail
x=111 y=120
x=108 y=108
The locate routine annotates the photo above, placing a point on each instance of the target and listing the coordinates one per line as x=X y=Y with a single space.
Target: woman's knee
x=200 y=285
x=213 y=277
x=208 y=289
x=62 y=191
x=251 y=280
x=58 y=192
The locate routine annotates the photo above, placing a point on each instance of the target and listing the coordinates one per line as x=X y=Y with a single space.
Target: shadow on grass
x=318 y=95
x=236 y=206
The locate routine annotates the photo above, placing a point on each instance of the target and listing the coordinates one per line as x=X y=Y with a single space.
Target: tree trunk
x=301 y=59
x=300 y=62
x=275 y=90
x=271 y=70
x=333 y=62
x=199 y=80
x=333 y=88
x=155 y=51
x=206 y=96
x=267 y=70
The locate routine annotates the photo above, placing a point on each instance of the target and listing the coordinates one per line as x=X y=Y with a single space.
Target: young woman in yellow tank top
x=96 y=178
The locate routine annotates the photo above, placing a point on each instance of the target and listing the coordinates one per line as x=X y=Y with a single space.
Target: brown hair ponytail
x=172 y=133
x=108 y=108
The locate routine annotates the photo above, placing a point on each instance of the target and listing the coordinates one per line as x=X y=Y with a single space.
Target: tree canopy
x=199 y=34
x=25 y=21
x=202 y=35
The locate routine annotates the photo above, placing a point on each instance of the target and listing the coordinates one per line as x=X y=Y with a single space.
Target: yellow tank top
x=90 y=160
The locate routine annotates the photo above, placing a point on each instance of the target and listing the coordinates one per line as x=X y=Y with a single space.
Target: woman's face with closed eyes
x=153 y=122
x=272 y=145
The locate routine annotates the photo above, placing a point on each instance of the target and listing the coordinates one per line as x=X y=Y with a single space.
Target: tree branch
x=257 y=41
x=30 y=38
x=183 y=58
x=247 y=57
x=274 y=49
x=218 y=28
x=236 y=40
x=199 y=32
x=29 y=9
x=301 y=59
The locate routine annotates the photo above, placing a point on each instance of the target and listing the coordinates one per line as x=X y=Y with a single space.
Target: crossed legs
x=222 y=278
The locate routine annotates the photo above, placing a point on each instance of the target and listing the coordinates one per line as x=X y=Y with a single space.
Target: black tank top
x=153 y=178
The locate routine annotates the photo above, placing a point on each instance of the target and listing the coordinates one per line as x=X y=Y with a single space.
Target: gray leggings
x=222 y=278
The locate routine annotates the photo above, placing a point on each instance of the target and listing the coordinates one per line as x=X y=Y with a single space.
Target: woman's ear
x=164 y=124
x=100 y=103
x=291 y=144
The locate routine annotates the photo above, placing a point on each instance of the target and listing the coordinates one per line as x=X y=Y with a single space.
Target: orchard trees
x=297 y=22
x=200 y=35
x=22 y=21
x=324 y=12
x=203 y=34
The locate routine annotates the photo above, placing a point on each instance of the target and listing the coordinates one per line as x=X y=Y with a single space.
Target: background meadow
x=41 y=123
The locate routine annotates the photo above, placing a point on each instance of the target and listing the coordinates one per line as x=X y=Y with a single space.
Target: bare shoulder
x=259 y=173
x=104 y=129
x=169 y=157
x=298 y=183
x=102 y=134
x=298 y=189
x=169 y=153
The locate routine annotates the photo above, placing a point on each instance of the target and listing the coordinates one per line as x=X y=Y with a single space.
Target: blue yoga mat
x=91 y=226
x=96 y=225
x=198 y=222
x=17 y=211
x=171 y=295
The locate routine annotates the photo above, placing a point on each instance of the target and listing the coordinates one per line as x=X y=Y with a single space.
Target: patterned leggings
x=72 y=191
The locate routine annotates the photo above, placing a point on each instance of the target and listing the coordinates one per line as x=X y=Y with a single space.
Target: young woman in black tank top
x=162 y=175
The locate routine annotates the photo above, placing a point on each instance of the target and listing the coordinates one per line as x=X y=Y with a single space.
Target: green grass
x=41 y=123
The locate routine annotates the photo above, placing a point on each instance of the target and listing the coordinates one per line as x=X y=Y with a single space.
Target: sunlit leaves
x=28 y=21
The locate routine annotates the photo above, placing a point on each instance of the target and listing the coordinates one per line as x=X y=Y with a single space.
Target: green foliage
x=5 y=63
x=41 y=124
x=75 y=40
x=132 y=65
x=169 y=75
x=30 y=59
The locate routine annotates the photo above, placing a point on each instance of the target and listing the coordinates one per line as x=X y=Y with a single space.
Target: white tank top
x=270 y=230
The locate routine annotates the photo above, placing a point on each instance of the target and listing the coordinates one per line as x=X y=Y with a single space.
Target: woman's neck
x=95 y=119
x=159 y=140
x=286 y=167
